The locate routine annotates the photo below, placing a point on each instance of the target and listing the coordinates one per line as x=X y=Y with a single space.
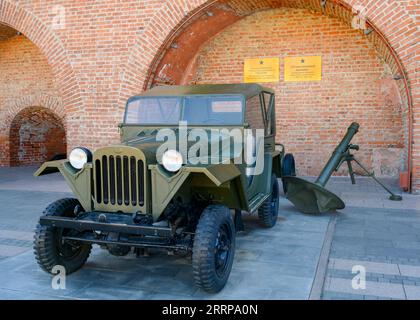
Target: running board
x=257 y=201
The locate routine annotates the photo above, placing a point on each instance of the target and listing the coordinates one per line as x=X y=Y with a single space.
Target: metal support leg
x=393 y=196
x=239 y=225
x=351 y=172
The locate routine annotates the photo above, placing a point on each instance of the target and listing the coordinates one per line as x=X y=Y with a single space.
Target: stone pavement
x=283 y=263
x=279 y=263
x=379 y=235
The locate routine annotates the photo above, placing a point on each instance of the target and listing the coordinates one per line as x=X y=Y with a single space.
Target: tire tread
x=44 y=250
x=203 y=262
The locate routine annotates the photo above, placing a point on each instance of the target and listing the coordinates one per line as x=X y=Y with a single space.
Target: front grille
x=119 y=180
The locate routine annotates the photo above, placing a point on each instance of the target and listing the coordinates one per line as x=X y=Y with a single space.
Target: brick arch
x=394 y=41
x=13 y=15
x=52 y=103
x=15 y=107
x=174 y=17
x=36 y=135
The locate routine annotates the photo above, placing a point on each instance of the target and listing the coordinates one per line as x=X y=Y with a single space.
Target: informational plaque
x=262 y=70
x=307 y=68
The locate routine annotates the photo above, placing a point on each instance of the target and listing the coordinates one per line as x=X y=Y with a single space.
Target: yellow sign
x=262 y=70
x=303 y=68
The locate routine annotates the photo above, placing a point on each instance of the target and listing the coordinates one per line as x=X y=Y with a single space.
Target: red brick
x=109 y=50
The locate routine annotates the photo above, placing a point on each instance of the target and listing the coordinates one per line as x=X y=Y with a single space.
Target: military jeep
x=135 y=196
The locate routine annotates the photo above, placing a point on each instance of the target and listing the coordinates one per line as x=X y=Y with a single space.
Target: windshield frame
x=182 y=110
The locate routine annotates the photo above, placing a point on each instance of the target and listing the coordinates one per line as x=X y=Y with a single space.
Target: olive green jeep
x=189 y=157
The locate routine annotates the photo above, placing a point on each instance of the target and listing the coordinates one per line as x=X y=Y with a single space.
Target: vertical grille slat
x=140 y=172
x=105 y=184
x=112 y=179
x=133 y=180
x=98 y=181
x=118 y=180
x=126 y=179
x=92 y=185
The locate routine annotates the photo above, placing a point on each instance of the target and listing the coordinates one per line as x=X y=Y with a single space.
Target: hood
x=146 y=141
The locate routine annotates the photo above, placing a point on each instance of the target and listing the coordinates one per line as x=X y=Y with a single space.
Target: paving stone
x=386 y=238
x=371 y=267
x=16 y=235
x=160 y=276
x=329 y=295
x=289 y=269
x=287 y=295
x=8 y=294
x=167 y=296
x=279 y=263
x=99 y=291
x=38 y=283
x=385 y=290
x=409 y=271
x=412 y=292
x=240 y=292
x=16 y=243
x=10 y=250
x=368 y=297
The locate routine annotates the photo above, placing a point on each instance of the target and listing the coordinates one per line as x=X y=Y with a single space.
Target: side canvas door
x=256 y=166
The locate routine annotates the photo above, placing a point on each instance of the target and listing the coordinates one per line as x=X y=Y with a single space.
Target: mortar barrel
x=337 y=155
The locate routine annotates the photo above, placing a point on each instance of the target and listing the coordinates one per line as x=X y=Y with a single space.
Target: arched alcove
x=36 y=135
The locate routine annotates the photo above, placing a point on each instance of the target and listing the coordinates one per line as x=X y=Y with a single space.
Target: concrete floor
x=280 y=263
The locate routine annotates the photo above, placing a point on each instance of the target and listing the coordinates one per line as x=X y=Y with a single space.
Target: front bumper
x=118 y=223
x=118 y=229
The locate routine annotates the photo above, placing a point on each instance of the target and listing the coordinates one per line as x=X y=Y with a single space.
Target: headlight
x=172 y=160
x=79 y=156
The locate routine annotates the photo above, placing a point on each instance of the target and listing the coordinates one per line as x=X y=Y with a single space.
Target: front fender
x=79 y=181
x=165 y=186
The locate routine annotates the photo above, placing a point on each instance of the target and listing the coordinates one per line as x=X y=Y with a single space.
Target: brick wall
x=34 y=134
x=313 y=116
x=108 y=50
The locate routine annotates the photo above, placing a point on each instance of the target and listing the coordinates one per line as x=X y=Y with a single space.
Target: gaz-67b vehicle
x=184 y=163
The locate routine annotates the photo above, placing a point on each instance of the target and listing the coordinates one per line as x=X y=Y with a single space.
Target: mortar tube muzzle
x=337 y=155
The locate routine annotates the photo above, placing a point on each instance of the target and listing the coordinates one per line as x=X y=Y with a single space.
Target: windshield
x=195 y=110
x=153 y=111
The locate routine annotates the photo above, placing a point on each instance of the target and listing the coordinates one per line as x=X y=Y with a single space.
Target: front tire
x=214 y=248
x=49 y=248
x=268 y=212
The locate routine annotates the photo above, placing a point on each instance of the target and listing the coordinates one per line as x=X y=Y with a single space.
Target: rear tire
x=269 y=210
x=288 y=169
x=49 y=249
x=214 y=248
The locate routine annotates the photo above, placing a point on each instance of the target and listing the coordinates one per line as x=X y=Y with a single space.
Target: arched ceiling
x=176 y=56
x=6 y=32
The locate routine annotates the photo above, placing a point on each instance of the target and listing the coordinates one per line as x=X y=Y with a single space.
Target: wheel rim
x=223 y=250
x=67 y=249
